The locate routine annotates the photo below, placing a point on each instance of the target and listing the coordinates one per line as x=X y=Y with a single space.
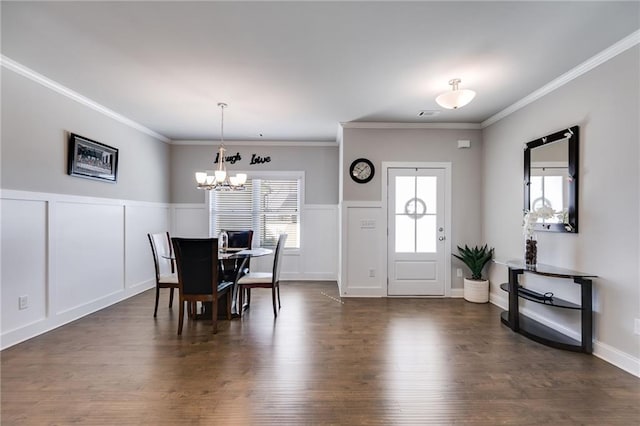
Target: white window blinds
x=268 y=206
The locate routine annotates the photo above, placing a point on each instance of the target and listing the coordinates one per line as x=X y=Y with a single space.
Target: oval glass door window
x=415 y=207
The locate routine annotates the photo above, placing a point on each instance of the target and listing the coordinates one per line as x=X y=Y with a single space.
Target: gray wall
x=425 y=145
x=319 y=163
x=35 y=122
x=605 y=103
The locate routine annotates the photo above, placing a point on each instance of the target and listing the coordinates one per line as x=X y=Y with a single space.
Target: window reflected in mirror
x=549 y=185
x=551 y=180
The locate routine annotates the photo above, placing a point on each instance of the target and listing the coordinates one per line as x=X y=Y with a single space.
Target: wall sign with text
x=233 y=159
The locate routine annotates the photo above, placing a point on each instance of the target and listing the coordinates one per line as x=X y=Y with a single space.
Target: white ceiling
x=295 y=70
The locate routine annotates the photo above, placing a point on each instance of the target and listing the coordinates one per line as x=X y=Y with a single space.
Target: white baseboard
x=364 y=292
x=499 y=301
x=601 y=350
x=308 y=276
x=55 y=277
x=380 y=292
x=29 y=331
x=617 y=358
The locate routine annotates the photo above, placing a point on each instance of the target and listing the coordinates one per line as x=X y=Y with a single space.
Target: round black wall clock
x=361 y=170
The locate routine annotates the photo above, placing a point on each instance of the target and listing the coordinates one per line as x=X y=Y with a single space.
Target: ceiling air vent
x=428 y=113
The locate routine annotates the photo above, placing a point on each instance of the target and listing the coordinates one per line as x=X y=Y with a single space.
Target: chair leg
x=171 y=298
x=273 y=301
x=229 y=301
x=278 y=287
x=214 y=314
x=181 y=317
x=155 y=310
x=240 y=301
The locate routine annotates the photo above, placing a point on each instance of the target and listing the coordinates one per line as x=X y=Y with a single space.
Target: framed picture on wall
x=92 y=160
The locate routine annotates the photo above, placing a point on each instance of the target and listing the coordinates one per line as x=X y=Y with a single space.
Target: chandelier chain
x=222 y=106
x=220 y=180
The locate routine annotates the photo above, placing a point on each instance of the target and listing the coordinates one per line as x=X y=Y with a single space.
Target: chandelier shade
x=220 y=180
x=456 y=98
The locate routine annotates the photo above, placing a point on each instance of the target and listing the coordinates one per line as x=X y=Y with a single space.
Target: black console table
x=537 y=331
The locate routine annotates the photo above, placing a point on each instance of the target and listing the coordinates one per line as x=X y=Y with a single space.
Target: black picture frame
x=90 y=159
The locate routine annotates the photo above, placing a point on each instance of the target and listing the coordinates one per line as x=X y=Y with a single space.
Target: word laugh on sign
x=233 y=159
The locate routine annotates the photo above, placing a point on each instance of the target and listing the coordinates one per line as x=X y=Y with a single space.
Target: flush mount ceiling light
x=220 y=181
x=456 y=98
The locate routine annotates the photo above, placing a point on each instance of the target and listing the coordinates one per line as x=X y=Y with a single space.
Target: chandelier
x=220 y=181
x=456 y=98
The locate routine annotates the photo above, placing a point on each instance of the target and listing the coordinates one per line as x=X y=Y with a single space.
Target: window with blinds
x=268 y=206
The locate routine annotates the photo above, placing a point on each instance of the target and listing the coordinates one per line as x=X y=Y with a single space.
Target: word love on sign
x=256 y=159
x=233 y=159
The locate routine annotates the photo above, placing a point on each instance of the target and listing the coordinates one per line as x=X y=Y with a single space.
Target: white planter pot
x=476 y=291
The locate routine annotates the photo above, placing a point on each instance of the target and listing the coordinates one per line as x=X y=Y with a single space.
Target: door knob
x=441 y=238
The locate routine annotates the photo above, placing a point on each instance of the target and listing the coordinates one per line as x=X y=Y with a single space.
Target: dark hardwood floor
x=363 y=361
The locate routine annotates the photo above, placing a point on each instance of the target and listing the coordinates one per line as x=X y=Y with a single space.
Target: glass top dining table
x=243 y=253
x=230 y=254
x=235 y=253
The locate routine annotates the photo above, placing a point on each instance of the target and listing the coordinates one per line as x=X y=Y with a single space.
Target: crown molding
x=602 y=57
x=621 y=46
x=306 y=144
x=389 y=125
x=20 y=69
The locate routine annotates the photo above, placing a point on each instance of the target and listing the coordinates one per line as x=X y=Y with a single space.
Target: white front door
x=416 y=237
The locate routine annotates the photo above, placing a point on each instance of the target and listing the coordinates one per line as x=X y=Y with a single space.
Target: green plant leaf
x=475 y=258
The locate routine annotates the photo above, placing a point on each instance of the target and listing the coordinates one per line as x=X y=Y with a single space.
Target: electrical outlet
x=23 y=302
x=459 y=272
x=372 y=273
x=637 y=326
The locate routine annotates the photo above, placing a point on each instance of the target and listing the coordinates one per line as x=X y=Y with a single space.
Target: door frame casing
x=386 y=165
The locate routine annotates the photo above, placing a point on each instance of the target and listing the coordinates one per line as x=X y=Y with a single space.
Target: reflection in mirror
x=551 y=181
x=549 y=186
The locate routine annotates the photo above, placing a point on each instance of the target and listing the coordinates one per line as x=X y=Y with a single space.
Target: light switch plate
x=23 y=302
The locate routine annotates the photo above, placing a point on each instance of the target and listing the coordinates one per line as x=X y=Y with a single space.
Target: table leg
x=514 y=314
x=235 y=309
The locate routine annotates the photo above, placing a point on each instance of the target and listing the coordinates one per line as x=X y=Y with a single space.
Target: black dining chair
x=263 y=280
x=240 y=239
x=165 y=273
x=198 y=278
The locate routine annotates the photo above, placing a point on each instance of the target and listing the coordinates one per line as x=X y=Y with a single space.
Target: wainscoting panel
x=24 y=261
x=71 y=256
x=86 y=253
x=363 y=264
x=319 y=242
x=140 y=220
x=290 y=266
x=89 y=261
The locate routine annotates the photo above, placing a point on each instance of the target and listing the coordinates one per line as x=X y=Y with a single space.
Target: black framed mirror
x=551 y=180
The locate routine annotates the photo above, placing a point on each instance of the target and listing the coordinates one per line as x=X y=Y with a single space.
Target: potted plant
x=476 y=289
